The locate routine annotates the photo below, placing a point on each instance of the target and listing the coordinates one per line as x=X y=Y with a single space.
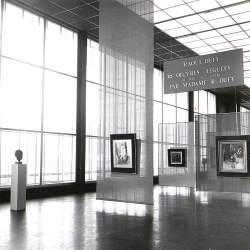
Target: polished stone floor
x=180 y=219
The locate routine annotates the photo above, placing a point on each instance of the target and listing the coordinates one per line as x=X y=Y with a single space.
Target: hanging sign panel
x=219 y=70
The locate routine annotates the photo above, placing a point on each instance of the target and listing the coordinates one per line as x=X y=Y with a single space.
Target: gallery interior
x=132 y=117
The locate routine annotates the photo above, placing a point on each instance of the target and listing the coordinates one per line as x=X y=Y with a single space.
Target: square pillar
x=18 y=187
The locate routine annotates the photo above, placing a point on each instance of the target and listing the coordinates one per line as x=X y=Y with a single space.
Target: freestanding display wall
x=221 y=146
x=126 y=98
x=177 y=137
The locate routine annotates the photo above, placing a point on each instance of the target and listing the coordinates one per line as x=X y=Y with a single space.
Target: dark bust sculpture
x=19 y=156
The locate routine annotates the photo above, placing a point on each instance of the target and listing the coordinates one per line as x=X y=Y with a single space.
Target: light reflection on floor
x=120 y=208
x=245 y=200
x=180 y=217
x=172 y=191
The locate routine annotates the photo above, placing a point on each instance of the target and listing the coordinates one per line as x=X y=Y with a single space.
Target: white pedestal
x=18 y=187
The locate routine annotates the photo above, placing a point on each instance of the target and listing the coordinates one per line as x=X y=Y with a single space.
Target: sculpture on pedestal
x=19 y=156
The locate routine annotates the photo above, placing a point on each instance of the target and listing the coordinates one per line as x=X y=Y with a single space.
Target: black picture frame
x=123 y=153
x=232 y=156
x=177 y=157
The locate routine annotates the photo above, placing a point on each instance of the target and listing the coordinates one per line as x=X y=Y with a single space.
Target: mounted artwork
x=232 y=154
x=123 y=153
x=177 y=157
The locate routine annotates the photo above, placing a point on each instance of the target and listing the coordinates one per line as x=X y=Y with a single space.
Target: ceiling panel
x=33 y=2
x=243 y=17
x=167 y=4
x=85 y=25
x=85 y=11
x=241 y=8
x=245 y=26
x=178 y=10
x=181 y=31
x=208 y=16
x=236 y=36
x=161 y=16
x=68 y=4
x=94 y=32
x=222 y=22
x=198 y=27
x=229 y=30
x=49 y=8
x=228 y=2
x=193 y=19
x=215 y=40
x=68 y=17
x=208 y=34
x=165 y=26
x=203 y=5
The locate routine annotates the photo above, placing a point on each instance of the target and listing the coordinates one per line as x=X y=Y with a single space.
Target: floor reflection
x=172 y=191
x=120 y=208
x=181 y=218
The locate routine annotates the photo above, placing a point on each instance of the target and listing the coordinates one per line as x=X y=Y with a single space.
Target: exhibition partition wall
x=222 y=152
x=177 y=154
x=126 y=100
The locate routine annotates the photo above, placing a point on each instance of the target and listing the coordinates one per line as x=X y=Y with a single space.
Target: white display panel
x=18 y=187
x=208 y=129
x=126 y=100
x=177 y=137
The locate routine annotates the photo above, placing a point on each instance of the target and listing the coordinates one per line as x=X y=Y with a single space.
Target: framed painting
x=177 y=157
x=123 y=153
x=232 y=154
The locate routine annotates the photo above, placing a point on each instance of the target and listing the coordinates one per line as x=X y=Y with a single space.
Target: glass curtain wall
x=204 y=102
x=38 y=68
x=92 y=109
x=170 y=108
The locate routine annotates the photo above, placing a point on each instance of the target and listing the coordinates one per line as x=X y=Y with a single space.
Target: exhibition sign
x=219 y=70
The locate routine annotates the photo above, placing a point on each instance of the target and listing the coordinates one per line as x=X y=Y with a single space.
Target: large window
x=38 y=65
x=92 y=109
x=204 y=102
x=170 y=108
x=23 y=35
